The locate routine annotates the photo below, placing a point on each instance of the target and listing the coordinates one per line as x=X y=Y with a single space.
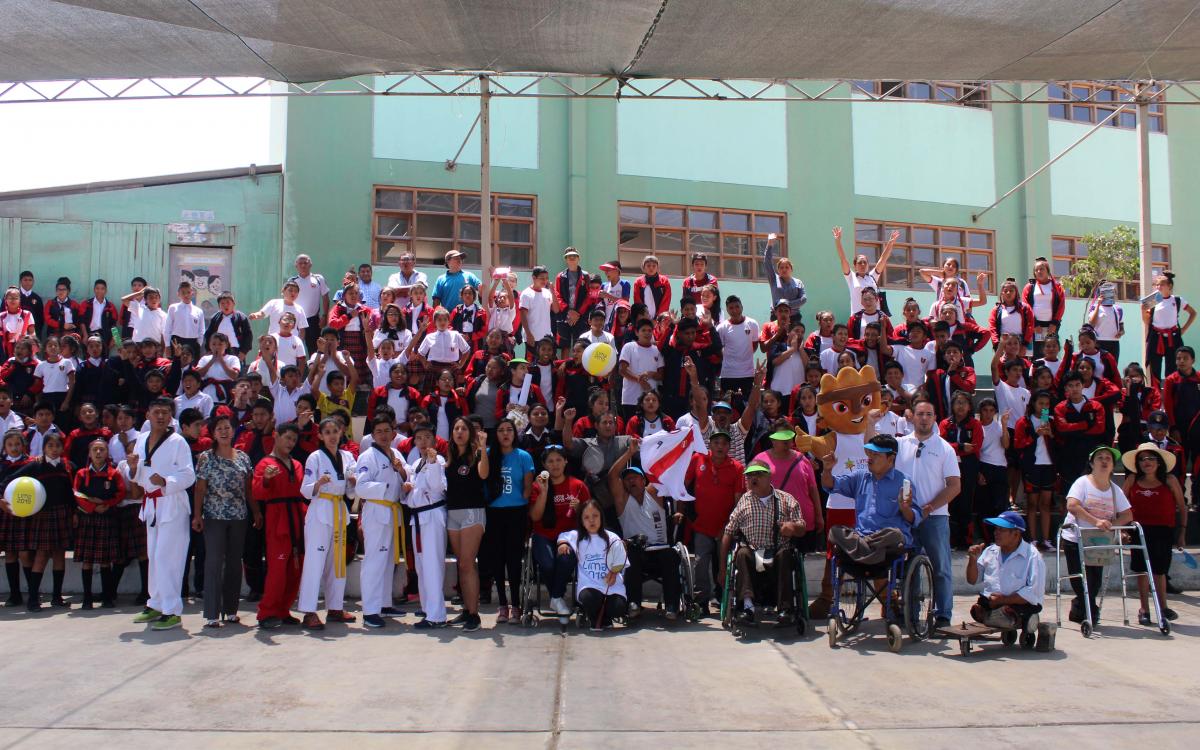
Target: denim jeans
x=934 y=535
x=556 y=569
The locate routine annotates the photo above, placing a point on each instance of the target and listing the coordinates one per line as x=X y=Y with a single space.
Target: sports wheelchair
x=907 y=598
x=765 y=601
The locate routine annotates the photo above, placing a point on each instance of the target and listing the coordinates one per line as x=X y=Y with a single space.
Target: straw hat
x=1130 y=457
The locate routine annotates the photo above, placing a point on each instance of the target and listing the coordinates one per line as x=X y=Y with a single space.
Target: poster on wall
x=207 y=268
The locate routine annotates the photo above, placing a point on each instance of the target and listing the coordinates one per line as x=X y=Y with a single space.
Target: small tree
x=1112 y=256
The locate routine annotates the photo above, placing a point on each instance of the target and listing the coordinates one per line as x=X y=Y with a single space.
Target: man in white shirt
x=641 y=366
x=313 y=297
x=739 y=337
x=185 y=320
x=932 y=467
x=535 y=304
x=402 y=281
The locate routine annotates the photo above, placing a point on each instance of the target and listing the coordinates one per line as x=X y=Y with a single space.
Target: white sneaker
x=559 y=605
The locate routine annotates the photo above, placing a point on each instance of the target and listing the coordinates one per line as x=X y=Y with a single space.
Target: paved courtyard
x=95 y=679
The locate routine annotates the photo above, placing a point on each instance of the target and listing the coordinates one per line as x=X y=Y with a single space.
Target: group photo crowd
x=587 y=432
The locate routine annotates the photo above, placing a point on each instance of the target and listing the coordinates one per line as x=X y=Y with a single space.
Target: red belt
x=154 y=495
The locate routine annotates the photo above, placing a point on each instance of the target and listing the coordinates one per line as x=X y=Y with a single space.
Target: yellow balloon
x=599 y=359
x=26 y=496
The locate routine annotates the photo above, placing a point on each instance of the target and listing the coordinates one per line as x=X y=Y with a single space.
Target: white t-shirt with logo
x=929 y=472
x=291 y=348
x=856 y=284
x=55 y=375
x=915 y=363
x=1108 y=322
x=1106 y=503
x=1166 y=313
x=1043 y=301
x=592 y=554
x=274 y=310
x=738 y=341
x=1012 y=399
x=312 y=289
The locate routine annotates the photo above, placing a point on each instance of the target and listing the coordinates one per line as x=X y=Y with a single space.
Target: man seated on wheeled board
x=767 y=519
x=643 y=518
x=1013 y=574
x=884 y=516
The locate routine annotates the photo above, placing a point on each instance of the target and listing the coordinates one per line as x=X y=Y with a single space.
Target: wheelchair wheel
x=801 y=626
x=1008 y=637
x=918 y=597
x=834 y=626
x=895 y=638
x=1028 y=640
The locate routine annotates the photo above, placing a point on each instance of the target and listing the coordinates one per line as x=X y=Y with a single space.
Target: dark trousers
x=312 y=333
x=1156 y=362
x=1023 y=611
x=753 y=585
x=194 y=561
x=1112 y=347
x=555 y=569
x=962 y=508
x=1094 y=573
x=662 y=564
x=223 y=541
x=254 y=559
x=593 y=601
x=503 y=548
x=991 y=499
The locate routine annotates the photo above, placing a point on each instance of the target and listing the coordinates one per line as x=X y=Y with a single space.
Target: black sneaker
x=270 y=623
x=254 y=596
x=392 y=612
x=429 y=625
x=14 y=600
x=1170 y=614
x=745 y=616
x=460 y=619
x=87 y=603
x=472 y=624
x=1144 y=618
x=289 y=620
x=59 y=602
x=33 y=604
x=941 y=622
x=374 y=621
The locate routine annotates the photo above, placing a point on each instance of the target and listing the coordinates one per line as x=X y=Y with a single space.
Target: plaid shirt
x=753 y=519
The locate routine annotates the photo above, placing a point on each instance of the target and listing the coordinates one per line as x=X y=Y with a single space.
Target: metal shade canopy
x=302 y=41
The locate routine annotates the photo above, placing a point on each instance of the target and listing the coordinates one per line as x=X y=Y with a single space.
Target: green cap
x=1116 y=454
x=783 y=435
x=756 y=469
x=517 y=361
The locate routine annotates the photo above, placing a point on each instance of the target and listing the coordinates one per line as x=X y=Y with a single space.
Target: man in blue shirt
x=1012 y=571
x=447 y=288
x=879 y=503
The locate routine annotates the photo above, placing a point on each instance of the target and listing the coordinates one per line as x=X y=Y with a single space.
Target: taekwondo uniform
x=378 y=488
x=426 y=503
x=283 y=527
x=166 y=511
x=325 y=529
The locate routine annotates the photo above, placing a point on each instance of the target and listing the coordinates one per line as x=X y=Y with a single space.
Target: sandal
x=213 y=624
x=231 y=619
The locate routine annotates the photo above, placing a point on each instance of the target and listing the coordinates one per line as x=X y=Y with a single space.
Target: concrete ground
x=76 y=678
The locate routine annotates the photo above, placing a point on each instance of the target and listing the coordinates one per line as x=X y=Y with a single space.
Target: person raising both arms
x=861 y=276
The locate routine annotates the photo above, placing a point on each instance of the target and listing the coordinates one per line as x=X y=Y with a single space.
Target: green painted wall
x=119 y=234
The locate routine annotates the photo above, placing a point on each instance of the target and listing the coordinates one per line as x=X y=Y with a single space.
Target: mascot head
x=845 y=400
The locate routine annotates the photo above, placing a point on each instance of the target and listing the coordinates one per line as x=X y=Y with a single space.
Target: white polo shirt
x=443 y=346
x=737 y=340
x=929 y=472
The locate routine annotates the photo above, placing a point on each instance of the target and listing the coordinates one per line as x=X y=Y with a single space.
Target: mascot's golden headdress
x=843 y=404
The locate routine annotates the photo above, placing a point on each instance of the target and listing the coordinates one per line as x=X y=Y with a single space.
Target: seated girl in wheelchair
x=553 y=508
x=599 y=559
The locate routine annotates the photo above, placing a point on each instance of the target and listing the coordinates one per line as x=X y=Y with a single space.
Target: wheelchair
x=534 y=595
x=687 y=606
x=907 y=598
x=766 y=604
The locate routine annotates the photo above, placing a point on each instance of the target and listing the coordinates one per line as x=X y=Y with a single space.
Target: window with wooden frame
x=965 y=94
x=1067 y=250
x=927 y=246
x=1089 y=102
x=430 y=223
x=733 y=239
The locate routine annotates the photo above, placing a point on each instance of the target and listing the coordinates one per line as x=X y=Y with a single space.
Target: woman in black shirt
x=466 y=470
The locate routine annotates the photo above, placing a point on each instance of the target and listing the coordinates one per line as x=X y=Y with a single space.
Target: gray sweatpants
x=706 y=548
x=223 y=542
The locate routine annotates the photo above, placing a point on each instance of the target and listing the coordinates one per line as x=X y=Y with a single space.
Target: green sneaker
x=167 y=622
x=147 y=615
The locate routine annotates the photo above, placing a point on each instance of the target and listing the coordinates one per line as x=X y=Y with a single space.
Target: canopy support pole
x=1144 y=240
x=485 y=175
x=975 y=217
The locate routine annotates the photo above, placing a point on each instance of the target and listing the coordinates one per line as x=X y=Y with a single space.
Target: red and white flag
x=665 y=458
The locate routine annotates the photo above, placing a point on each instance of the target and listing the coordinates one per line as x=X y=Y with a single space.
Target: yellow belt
x=339 y=532
x=399 y=545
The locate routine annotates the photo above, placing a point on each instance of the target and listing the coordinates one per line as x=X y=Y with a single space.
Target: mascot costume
x=843 y=404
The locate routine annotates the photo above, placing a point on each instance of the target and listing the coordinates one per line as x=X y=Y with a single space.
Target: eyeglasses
x=920 y=448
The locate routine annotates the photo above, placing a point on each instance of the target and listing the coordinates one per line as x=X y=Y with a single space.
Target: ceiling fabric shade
x=319 y=40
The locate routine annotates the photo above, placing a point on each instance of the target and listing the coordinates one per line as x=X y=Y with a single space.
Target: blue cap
x=722 y=405
x=632 y=470
x=1009 y=519
x=878 y=448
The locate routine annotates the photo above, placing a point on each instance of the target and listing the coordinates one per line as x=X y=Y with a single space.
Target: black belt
x=417 y=513
x=1043 y=323
x=295 y=530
